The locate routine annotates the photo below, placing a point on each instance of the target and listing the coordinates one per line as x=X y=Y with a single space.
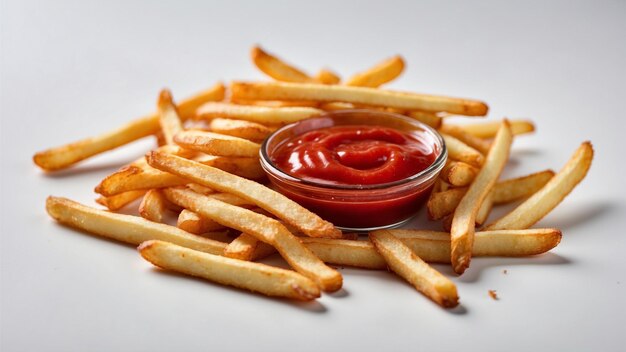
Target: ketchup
x=354 y=155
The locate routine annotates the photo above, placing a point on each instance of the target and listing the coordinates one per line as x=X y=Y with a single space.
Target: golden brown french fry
x=136 y=176
x=232 y=199
x=272 y=201
x=459 y=133
x=194 y=223
x=153 y=206
x=263 y=228
x=379 y=74
x=458 y=173
x=64 y=156
x=429 y=118
x=251 y=276
x=485 y=209
x=463 y=222
x=217 y=144
x=549 y=196
x=460 y=151
x=336 y=105
x=242 y=247
x=277 y=68
x=124 y=228
x=260 y=114
x=247 y=167
x=240 y=128
x=200 y=188
x=168 y=117
x=326 y=76
x=119 y=201
x=442 y=204
x=489 y=129
x=434 y=247
x=358 y=95
x=273 y=104
x=413 y=269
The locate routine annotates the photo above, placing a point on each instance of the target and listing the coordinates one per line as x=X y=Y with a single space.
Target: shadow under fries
x=313 y=306
x=480 y=264
x=579 y=214
x=80 y=169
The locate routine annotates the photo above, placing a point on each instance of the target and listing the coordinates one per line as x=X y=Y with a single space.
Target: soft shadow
x=310 y=306
x=458 y=310
x=340 y=294
x=583 y=213
x=480 y=264
x=85 y=169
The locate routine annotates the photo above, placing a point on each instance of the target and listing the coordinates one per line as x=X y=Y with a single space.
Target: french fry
x=443 y=203
x=119 y=201
x=413 y=269
x=326 y=76
x=250 y=276
x=336 y=105
x=240 y=128
x=274 y=104
x=217 y=144
x=429 y=118
x=378 y=75
x=136 y=177
x=67 y=155
x=153 y=206
x=460 y=151
x=459 y=133
x=358 y=95
x=490 y=128
x=275 y=203
x=458 y=173
x=242 y=247
x=247 y=167
x=263 y=228
x=463 y=222
x=549 y=196
x=259 y=114
x=232 y=199
x=434 y=247
x=485 y=209
x=277 y=68
x=168 y=117
x=124 y=228
x=194 y=223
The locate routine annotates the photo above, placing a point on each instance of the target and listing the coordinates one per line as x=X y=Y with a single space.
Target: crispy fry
x=549 y=196
x=263 y=228
x=460 y=151
x=463 y=222
x=274 y=104
x=276 y=203
x=336 y=105
x=248 y=167
x=260 y=114
x=442 y=204
x=137 y=176
x=240 y=128
x=119 y=201
x=429 y=118
x=64 y=156
x=251 y=276
x=413 y=269
x=490 y=128
x=327 y=76
x=359 y=95
x=124 y=228
x=242 y=247
x=217 y=144
x=153 y=206
x=484 y=210
x=459 y=133
x=277 y=68
x=168 y=117
x=434 y=247
x=194 y=223
x=458 y=173
x=379 y=74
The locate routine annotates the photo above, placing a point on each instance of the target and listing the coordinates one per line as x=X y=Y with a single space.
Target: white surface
x=74 y=69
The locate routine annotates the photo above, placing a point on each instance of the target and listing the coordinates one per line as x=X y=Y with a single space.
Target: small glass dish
x=358 y=208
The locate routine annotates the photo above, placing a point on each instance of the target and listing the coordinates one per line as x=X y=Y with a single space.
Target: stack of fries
x=206 y=169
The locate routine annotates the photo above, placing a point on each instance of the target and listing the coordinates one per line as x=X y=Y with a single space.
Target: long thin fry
x=64 y=156
x=194 y=223
x=153 y=206
x=168 y=117
x=217 y=144
x=460 y=151
x=327 y=76
x=429 y=118
x=412 y=268
x=359 y=95
x=547 y=198
x=490 y=128
x=458 y=173
x=240 y=128
x=378 y=75
x=251 y=276
x=260 y=114
x=459 y=133
x=118 y=201
x=263 y=228
x=242 y=247
x=277 y=68
x=463 y=222
x=272 y=201
x=125 y=228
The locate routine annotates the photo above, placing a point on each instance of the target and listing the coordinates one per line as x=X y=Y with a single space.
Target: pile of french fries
x=205 y=169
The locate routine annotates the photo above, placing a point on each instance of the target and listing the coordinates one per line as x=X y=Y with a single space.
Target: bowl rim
x=270 y=168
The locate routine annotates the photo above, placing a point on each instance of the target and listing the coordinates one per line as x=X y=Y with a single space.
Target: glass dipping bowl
x=358 y=207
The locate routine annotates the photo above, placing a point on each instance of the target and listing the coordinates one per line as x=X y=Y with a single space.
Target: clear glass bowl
x=358 y=207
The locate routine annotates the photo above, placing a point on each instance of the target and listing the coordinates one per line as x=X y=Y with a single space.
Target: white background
x=72 y=69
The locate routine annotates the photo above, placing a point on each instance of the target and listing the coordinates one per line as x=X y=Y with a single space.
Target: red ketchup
x=357 y=155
